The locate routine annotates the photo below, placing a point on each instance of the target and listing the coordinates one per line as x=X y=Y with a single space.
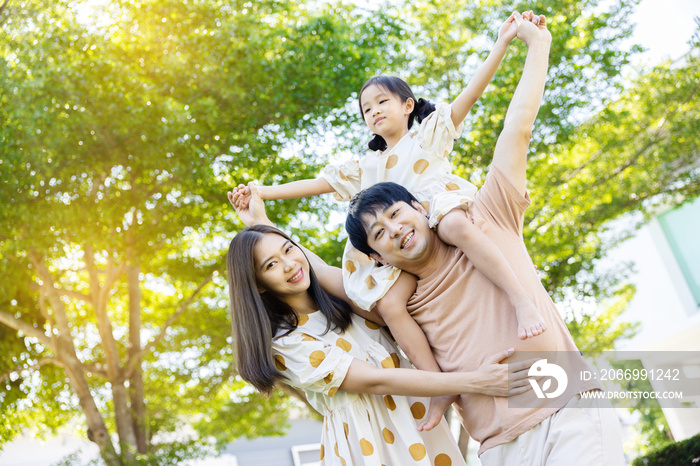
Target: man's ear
x=378 y=258
x=419 y=207
x=409 y=105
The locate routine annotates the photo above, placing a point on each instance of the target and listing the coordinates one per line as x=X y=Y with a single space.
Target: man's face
x=400 y=234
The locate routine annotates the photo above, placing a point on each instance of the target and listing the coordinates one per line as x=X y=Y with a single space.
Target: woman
x=288 y=328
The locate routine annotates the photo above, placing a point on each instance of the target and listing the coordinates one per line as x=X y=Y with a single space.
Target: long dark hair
x=257 y=318
x=399 y=88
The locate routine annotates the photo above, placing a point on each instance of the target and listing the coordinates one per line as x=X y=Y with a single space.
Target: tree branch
x=180 y=310
x=2 y=8
x=26 y=328
x=42 y=362
x=95 y=369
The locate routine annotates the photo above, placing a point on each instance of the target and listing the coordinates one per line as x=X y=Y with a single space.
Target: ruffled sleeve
x=311 y=364
x=344 y=178
x=437 y=132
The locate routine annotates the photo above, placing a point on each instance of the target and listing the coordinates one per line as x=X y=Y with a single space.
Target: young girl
x=416 y=156
x=287 y=328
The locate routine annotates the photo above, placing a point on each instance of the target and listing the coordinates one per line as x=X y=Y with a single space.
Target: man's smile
x=407 y=240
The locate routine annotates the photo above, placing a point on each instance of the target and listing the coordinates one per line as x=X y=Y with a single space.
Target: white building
x=667 y=305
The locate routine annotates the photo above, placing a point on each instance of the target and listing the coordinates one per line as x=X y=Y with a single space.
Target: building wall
x=666 y=254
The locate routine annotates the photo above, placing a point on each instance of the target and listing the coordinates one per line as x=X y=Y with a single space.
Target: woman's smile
x=297 y=277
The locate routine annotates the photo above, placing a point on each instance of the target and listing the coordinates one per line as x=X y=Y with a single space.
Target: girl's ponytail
x=378 y=143
x=422 y=109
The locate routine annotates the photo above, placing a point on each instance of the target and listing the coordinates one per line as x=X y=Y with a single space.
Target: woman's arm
x=491 y=378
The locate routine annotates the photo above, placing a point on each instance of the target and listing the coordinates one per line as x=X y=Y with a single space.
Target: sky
x=664 y=27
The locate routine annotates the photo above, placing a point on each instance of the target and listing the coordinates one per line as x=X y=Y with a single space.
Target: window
x=682 y=230
x=306 y=455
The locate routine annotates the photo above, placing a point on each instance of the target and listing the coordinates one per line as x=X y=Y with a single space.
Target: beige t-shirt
x=467 y=318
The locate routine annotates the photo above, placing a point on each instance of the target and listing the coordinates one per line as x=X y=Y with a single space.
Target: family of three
x=442 y=265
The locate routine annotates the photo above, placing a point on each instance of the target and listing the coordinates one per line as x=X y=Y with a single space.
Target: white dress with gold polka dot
x=420 y=163
x=359 y=429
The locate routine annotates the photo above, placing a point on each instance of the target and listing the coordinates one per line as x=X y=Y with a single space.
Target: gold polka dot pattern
x=417 y=451
x=388 y=436
x=420 y=166
x=316 y=358
x=389 y=402
x=343 y=344
x=350 y=267
x=443 y=460
x=418 y=410
x=366 y=447
x=371 y=325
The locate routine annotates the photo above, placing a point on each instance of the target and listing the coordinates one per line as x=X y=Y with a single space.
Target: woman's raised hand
x=248 y=204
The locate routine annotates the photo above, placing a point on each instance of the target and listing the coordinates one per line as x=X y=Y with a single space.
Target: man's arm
x=510 y=154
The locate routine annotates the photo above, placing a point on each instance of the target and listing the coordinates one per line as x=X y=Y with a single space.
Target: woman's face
x=280 y=267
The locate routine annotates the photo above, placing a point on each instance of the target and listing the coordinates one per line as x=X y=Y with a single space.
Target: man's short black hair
x=371 y=201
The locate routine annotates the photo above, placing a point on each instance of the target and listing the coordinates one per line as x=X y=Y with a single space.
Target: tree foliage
x=119 y=135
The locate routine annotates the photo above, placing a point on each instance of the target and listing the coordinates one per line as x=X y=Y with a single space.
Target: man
x=466 y=317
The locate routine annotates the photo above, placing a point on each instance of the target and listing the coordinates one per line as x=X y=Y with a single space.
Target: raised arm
x=510 y=154
x=464 y=102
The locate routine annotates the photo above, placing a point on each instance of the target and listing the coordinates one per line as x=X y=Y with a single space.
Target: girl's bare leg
x=457 y=229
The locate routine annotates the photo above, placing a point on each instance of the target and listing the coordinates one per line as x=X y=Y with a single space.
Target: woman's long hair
x=399 y=88
x=257 y=318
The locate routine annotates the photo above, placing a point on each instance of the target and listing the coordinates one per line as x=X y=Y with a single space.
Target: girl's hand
x=508 y=30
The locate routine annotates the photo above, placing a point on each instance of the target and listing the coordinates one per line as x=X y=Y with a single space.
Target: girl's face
x=384 y=112
x=280 y=267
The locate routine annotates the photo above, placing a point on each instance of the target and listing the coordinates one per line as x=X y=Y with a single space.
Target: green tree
x=120 y=128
